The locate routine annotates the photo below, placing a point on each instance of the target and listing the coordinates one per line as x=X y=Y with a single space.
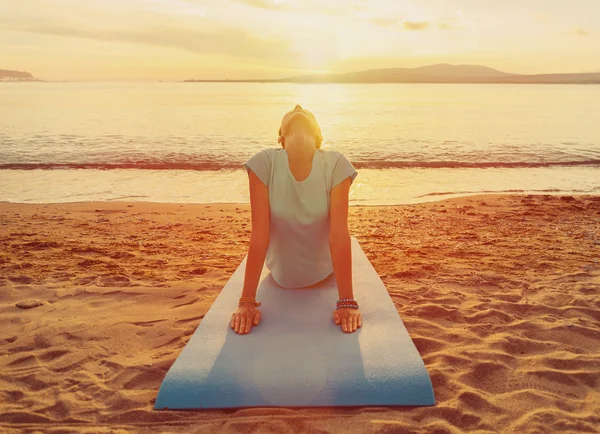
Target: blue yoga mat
x=297 y=356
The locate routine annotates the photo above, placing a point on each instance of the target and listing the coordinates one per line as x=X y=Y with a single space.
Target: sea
x=185 y=142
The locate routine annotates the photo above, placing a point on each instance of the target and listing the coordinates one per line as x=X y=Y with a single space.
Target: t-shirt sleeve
x=260 y=163
x=343 y=169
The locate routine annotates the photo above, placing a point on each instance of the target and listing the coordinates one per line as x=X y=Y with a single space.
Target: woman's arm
x=254 y=265
x=339 y=238
x=260 y=235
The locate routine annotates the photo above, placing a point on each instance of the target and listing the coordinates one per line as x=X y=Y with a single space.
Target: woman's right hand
x=244 y=318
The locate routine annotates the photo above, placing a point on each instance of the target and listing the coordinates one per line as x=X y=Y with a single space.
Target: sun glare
x=315 y=58
x=315 y=53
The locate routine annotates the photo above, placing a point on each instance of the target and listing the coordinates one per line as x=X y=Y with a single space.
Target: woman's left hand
x=349 y=319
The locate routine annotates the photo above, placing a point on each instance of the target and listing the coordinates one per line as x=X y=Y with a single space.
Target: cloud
x=581 y=32
x=448 y=26
x=269 y=4
x=312 y=7
x=416 y=25
x=220 y=40
x=384 y=22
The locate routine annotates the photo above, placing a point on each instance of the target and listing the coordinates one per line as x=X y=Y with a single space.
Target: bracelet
x=256 y=304
x=250 y=300
x=347 y=302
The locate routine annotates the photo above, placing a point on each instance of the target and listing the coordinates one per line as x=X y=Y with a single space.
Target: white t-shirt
x=298 y=254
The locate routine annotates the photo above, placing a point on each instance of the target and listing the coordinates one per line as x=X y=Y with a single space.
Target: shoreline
x=228 y=205
x=499 y=292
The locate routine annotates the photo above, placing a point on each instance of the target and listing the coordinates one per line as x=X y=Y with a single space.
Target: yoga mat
x=297 y=356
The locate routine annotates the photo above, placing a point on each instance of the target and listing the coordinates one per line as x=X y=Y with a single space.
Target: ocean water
x=186 y=142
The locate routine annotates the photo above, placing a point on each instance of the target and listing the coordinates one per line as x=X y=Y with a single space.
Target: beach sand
x=500 y=294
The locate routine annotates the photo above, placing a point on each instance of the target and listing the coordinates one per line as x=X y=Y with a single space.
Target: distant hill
x=446 y=70
x=431 y=73
x=7 y=75
x=440 y=73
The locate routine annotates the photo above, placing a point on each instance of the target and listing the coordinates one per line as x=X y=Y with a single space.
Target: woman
x=299 y=206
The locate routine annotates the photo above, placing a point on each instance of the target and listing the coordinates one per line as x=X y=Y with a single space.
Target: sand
x=500 y=294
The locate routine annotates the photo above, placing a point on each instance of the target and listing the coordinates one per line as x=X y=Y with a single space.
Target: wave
x=214 y=166
x=544 y=190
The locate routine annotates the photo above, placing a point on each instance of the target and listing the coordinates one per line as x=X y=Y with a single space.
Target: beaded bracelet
x=347 y=302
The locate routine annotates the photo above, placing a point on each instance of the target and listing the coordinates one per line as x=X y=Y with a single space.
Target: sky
x=95 y=40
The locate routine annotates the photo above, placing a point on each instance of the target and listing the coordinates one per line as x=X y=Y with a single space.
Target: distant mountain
x=431 y=73
x=446 y=70
x=7 y=75
x=440 y=73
